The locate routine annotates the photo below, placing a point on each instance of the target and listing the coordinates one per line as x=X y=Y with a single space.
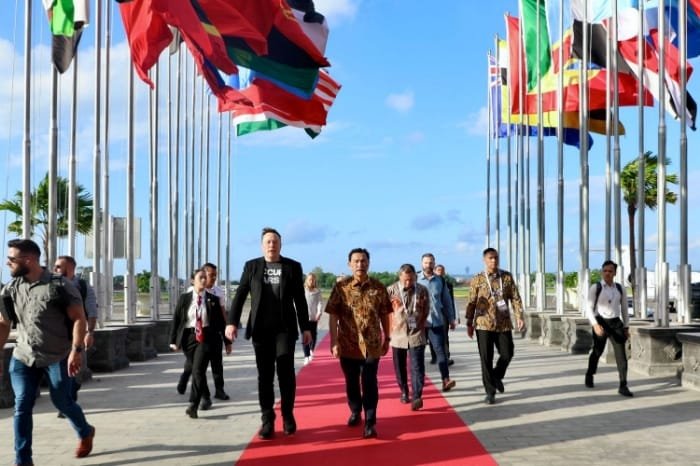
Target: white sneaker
x=306 y=361
x=311 y=356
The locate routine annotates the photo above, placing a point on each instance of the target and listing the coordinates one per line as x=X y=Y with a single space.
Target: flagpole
x=641 y=273
x=175 y=191
x=560 y=170
x=684 y=268
x=584 y=199
x=509 y=191
x=523 y=139
x=201 y=241
x=153 y=201
x=107 y=245
x=541 y=289
x=228 y=209
x=72 y=198
x=661 y=264
x=218 y=196
x=97 y=223
x=27 y=229
x=191 y=248
x=53 y=170
x=489 y=111
x=206 y=181
x=129 y=282
x=608 y=145
x=498 y=168
x=617 y=192
x=187 y=175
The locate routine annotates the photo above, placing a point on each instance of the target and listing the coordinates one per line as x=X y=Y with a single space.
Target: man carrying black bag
x=607 y=312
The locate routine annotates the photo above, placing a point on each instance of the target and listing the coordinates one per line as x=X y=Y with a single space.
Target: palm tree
x=39 y=202
x=628 y=181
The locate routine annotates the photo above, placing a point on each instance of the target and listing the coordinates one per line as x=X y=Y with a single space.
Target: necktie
x=198 y=334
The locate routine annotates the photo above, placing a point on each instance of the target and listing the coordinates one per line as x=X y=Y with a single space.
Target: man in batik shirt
x=493 y=293
x=359 y=322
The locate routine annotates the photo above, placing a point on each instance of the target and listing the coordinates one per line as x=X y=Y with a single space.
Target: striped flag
x=271 y=107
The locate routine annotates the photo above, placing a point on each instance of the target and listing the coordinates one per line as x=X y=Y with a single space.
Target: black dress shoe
x=404 y=397
x=450 y=362
x=191 y=411
x=354 y=419
x=267 y=431
x=417 y=404
x=490 y=398
x=369 y=432
x=290 y=426
x=589 y=381
x=499 y=386
x=624 y=391
x=433 y=361
x=221 y=395
x=205 y=404
x=181 y=389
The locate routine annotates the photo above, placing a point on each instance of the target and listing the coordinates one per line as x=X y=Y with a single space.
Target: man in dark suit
x=278 y=306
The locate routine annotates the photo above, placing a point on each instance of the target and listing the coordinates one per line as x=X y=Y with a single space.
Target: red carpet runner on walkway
x=433 y=435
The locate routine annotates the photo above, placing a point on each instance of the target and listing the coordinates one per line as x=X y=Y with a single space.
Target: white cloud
x=477 y=123
x=337 y=11
x=401 y=102
x=415 y=137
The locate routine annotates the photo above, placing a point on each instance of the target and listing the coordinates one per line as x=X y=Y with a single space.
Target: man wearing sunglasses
x=39 y=303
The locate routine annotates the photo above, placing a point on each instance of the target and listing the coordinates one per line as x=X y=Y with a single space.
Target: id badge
x=501 y=305
x=412 y=324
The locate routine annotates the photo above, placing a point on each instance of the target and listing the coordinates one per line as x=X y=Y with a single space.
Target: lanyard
x=488 y=282
x=415 y=298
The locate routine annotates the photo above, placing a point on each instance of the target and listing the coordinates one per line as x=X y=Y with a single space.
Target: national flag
x=292 y=56
x=274 y=108
x=147 y=33
x=671 y=6
x=535 y=32
x=628 y=37
x=504 y=122
x=67 y=19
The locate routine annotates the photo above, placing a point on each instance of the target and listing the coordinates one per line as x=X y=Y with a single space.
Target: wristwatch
x=78 y=349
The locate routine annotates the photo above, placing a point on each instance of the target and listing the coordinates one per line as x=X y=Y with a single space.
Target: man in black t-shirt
x=278 y=310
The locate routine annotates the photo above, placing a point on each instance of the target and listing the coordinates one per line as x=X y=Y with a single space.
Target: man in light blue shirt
x=442 y=315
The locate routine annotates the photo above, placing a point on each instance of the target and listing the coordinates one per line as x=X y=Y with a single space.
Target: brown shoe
x=448 y=385
x=85 y=445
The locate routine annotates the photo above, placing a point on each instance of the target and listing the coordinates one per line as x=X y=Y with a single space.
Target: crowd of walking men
x=366 y=319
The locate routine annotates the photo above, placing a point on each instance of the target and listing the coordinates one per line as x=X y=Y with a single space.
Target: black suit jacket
x=294 y=308
x=214 y=311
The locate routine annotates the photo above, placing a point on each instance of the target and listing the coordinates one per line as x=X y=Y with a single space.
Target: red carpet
x=433 y=435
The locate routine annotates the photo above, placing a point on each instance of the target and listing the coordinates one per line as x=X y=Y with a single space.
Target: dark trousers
x=276 y=352
x=217 y=372
x=417 y=369
x=361 y=386
x=616 y=334
x=198 y=357
x=487 y=341
x=313 y=328
x=433 y=355
x=436 y=336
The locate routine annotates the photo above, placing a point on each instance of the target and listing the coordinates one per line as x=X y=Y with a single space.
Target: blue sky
x=400 y=169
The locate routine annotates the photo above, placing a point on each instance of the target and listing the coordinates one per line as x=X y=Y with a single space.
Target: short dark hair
x=68 y=259
x=490 y=251
x=427 y=254
x=407 y=268
x=358 y=251
x=609 y=262
x=25 y=246
x=208 y=265
x=267 y=230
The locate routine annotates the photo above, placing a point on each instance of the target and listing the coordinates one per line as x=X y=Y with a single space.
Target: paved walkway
x=545 y=417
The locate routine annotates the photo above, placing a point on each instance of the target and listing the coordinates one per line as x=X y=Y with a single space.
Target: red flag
x=147 y=33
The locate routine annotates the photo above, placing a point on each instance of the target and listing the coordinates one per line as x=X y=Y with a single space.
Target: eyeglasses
x=16 y=259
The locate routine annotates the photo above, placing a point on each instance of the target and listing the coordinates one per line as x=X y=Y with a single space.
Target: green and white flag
x=535 y=32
